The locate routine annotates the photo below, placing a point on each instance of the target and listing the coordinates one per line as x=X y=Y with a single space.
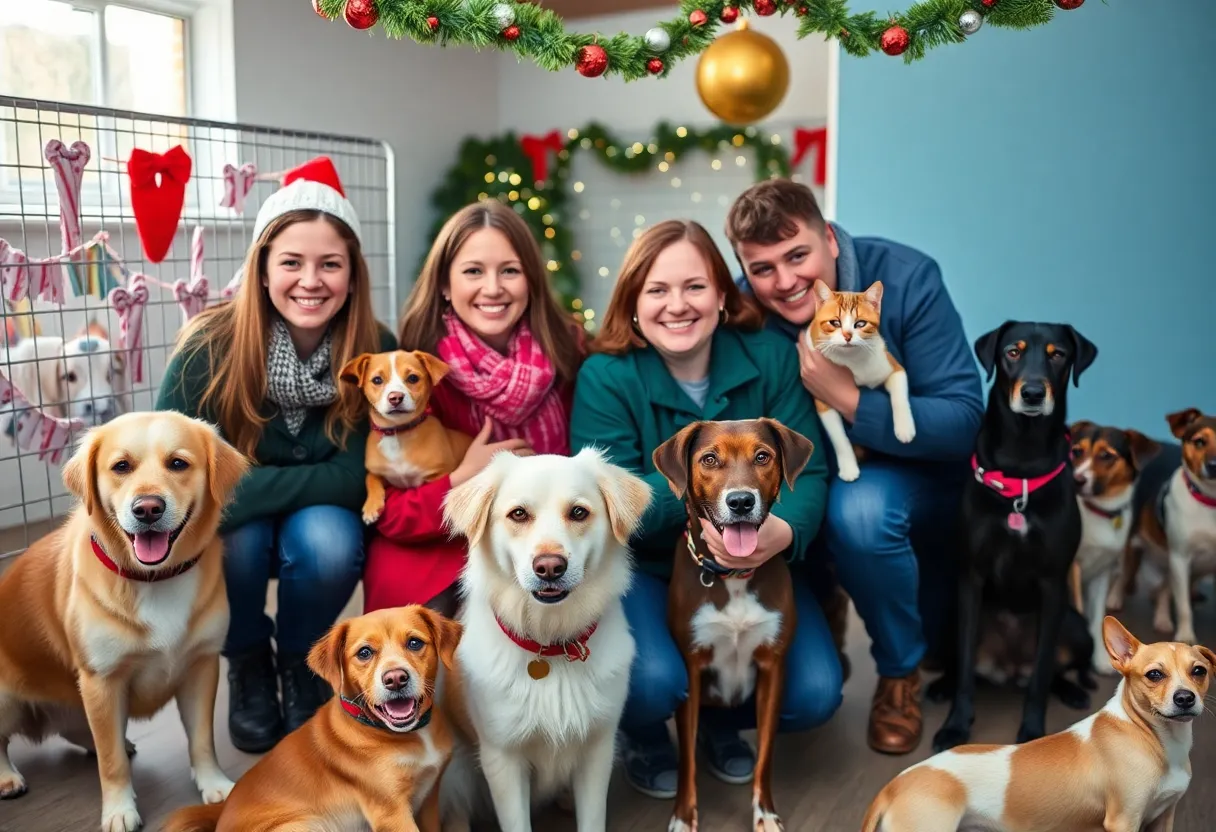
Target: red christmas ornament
x=1069 y=5
x=432 y=22
x=654 y=66
x=989 y=3
x=730 y=14
x=511 y=32
x=802 y=10
x=764 y=7
x=592 y=61
x=698 y=18
x=316 y=7
x=361 y=14
x=895 y=40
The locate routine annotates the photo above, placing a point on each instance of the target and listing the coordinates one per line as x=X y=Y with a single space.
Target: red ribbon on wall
x=804 y=140
x=537 y=148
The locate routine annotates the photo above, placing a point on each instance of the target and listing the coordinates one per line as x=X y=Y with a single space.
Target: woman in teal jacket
x=680 y=343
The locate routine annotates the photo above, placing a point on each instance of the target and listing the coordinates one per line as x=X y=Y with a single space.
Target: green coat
x=290 y=472
x=628 y=405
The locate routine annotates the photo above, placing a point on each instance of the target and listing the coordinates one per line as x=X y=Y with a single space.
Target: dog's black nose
x=1079 y=479
x=148 y=509
x=1209 y=468
x=395 y=679
x=549 y=567
x=741 y=502
x=1184 y=699
x=395 y=399
x=1034 y=392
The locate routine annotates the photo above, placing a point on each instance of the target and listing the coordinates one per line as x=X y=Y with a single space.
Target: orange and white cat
x=845 y=332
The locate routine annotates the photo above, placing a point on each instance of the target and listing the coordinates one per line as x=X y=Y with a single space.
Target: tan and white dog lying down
x=542 y=670
x=1123 y=769
x=123 y=607
x=82 y=377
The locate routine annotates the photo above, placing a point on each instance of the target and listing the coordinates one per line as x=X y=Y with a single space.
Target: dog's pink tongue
x=400 y=709
x=740 y=539
x=151 y=547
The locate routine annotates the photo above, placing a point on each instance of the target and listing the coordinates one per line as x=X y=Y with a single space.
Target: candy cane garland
x=129 y=303
x=50 y=436
x=14 y=273
x=238 y=182
x=192 y=297
x=68 y=165
x=234 y=285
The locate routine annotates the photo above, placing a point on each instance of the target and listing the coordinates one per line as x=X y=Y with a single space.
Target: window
x=127 y=56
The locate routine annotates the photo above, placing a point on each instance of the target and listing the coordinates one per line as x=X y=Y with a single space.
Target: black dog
x=1019 y=521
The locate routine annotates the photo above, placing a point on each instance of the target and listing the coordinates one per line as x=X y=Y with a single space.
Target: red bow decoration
x=158 y=206
x=804 y=140
x=537 y=148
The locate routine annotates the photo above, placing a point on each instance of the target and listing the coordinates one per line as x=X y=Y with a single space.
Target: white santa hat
x=313 y=186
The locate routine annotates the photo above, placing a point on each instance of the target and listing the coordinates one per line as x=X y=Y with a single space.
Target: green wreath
x=540 y=35
x=499 y=168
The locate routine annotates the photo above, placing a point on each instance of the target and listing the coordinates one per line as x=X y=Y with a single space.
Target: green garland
x=498 y=168
x=542 y=36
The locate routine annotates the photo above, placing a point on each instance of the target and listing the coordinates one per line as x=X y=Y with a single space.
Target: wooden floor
x=823 y=780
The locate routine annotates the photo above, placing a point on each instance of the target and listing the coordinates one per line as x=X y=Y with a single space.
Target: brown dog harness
x=145 y=577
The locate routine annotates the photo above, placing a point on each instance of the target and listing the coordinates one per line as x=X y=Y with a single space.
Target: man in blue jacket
x=889 y=533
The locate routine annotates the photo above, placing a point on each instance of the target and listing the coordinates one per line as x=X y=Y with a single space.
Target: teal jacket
x=628 y=405
x=290 y=472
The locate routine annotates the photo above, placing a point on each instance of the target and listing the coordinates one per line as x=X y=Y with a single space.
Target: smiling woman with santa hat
x=264 y=368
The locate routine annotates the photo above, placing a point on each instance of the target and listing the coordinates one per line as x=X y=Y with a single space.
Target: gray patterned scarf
x=295 y=385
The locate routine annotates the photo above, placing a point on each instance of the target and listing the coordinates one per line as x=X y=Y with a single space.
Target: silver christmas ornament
x=970 y=21
x=657 y=40
x=504 y=15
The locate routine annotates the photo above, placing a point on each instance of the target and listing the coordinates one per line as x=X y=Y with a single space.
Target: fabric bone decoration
x=68 y=164
x=192 y=296
x=129 y=303
x=238 y=182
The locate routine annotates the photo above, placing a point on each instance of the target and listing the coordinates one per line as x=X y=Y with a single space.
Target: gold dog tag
x=538 y=669
x=1118 y=521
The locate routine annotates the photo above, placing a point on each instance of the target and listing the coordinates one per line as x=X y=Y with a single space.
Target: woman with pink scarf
x=483 y=305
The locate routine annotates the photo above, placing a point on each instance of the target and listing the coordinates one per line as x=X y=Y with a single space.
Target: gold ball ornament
x=742 y=76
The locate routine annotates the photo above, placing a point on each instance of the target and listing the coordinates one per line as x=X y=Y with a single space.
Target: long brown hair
x=233 y=337
x=422 y=317
x=618 y=335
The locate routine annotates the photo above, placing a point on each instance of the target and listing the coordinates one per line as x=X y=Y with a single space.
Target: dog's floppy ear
x=354 y=370
x=466 y=508
x=988 y=347
x=1081 y=428
x=328 y=654
x=1143 y=448
x=671 y=458
x=626 y=496
x=794 y=448
x=225 y=466
x=80 y=471
x=435 y=367
x=1084 y=352
x=446 y=633
x=1208 y=656
x=1120 y=644
x=1182 y=420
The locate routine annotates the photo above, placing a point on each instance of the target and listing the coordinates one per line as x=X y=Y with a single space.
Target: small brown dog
x=371 y=757
x=410 y=445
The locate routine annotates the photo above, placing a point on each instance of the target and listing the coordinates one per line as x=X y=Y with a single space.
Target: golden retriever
x=123 y=607
x=372 y=756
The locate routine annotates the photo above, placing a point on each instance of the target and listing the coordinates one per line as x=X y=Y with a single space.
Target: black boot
x=303 y=690
x=255 y=721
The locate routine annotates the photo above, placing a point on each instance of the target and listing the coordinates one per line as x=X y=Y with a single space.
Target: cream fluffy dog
x=542 y=671
x=123 y=607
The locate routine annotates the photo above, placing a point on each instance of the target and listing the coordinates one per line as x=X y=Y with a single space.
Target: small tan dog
x=410 y=446
x=371 y=757
x=123 y=607
x=1123 y=769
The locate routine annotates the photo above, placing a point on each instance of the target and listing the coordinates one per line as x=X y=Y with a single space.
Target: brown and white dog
x=123 y=607
x=1123 y=769
x=1107 y=463
x=370 y=758
x=732 y=627
x=409 y=445
x=1176 y=525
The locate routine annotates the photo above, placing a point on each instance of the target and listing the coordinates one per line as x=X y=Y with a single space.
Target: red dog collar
x=1012 y=487
x=396 y=429
x=575 y=650
x=144 y=577
x=1210 y=502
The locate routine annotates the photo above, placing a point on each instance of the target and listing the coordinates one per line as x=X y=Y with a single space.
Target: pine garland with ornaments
x=539 y=34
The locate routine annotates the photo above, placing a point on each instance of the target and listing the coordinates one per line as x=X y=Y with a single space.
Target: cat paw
x=905 y=428
x=12 y=785
x=849 y=471
x=371 y=513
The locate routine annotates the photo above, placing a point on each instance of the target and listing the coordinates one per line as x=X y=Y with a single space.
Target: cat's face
x=845 y=320
x=781 y=274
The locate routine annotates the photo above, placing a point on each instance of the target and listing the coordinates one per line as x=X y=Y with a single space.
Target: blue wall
x=1065 y=173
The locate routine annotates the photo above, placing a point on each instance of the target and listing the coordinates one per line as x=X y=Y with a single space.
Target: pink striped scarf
x=515 y=390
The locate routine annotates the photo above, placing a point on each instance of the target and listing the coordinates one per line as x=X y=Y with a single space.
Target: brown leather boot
x=895 y=717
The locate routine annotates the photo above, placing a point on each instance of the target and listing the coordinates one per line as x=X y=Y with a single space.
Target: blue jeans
x=658 y=680
x=892 y=535
x=317 y=553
